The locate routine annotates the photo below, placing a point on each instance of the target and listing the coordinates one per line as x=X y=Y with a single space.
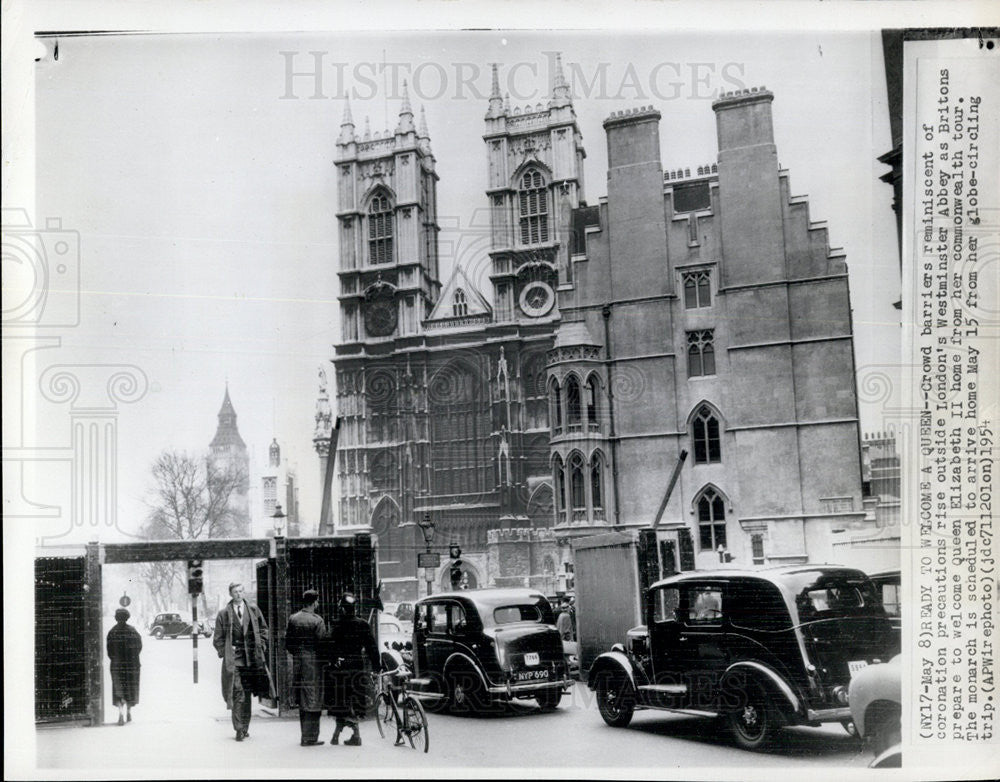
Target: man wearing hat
x=305 y=633
x=241 y=640
x=351 y=649
x=124 y=645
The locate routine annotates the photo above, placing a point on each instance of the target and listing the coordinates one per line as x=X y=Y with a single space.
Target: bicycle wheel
x=384 y=718
x=415 y=723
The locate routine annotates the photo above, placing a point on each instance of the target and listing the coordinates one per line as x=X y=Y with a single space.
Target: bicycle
x=395 y=706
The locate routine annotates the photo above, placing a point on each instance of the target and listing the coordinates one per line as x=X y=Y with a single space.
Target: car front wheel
x=615 y=700
x=753 y=724
x=158 y=633
x=885 y=730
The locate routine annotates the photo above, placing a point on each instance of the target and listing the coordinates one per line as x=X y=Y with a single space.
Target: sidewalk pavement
x=176 y=748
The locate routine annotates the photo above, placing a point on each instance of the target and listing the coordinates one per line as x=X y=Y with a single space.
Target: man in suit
x=241 y=640
x=305 y=633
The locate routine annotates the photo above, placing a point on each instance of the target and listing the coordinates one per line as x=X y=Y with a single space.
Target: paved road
x=180 y=727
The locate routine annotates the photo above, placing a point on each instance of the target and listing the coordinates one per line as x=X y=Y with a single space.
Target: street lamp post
x=427 y=528
x=279 y=521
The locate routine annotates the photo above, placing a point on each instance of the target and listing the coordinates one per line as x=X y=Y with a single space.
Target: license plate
x=525 y=676
x=856 y=665
x=531 y=658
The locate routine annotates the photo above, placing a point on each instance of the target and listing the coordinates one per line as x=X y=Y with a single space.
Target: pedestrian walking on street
x=124 y=645
x=352 y=655
x=241 y=640
x=304 y=637
x=565 y=623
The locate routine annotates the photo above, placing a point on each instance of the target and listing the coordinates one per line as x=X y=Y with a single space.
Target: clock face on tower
x=537 y=299
x=380 y=317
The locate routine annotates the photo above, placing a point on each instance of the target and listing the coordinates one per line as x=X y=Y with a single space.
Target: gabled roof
x=476 y=305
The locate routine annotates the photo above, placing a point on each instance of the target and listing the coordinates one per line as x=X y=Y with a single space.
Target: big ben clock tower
x=386 y=192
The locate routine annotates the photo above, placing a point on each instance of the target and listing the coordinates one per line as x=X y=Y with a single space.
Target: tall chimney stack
x=638 y=242
x=750 y=194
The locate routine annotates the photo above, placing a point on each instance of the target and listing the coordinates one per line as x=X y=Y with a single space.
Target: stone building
x=705 y=312
x=278 y=487
x=699 y=312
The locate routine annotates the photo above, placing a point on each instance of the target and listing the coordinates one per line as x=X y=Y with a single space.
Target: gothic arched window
x=590 y=395
x=711 y=520
x=578 y=494
x=459 y=305
x=555 y=404
x=597 y=481
x=379 y=230
x=533 y=207
x=572 y=403
x=560 y=476
x=535 y=404
x=459 y=428
x=707 y=443
x=701 y=353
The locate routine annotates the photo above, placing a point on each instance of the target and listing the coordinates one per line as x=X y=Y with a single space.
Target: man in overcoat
x=124 y=645
x=303 y=638
x=241 y=641
x=352 y=653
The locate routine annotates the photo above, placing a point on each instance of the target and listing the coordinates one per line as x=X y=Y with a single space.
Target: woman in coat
x=352 y=653
x=124 y=645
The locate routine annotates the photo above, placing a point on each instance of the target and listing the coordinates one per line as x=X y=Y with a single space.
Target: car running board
x=420 y=688
x=665 y=689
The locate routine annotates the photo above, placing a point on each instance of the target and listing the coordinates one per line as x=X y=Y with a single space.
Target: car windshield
x=822 y=595
x=389 y=627
x=523 y=612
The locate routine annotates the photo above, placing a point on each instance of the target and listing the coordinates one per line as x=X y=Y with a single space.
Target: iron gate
x=60 y=639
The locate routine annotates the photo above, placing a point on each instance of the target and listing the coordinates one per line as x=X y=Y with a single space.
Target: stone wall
x=524 y=557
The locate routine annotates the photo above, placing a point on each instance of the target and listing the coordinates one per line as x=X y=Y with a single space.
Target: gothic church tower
x=535 y=180
x=387 y=209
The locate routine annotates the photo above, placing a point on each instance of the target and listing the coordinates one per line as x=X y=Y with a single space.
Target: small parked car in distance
x=876 y=697
x=472 y=648
x=173 y=624
x=760 y=648
x=404 y=611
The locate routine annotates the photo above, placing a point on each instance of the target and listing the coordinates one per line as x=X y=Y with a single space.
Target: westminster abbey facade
x=698 y=311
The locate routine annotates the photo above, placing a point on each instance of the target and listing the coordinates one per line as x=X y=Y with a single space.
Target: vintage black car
x=172 y=625
x=762 y=649
x=477 y=647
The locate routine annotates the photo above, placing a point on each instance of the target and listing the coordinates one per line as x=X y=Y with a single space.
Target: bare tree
x=192 y=498
x=164 y=581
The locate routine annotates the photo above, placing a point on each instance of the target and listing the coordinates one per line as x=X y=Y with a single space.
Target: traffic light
x=196 y=574
x=455 y=552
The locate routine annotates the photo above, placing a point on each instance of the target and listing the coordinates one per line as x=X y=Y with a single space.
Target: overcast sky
x=201 y=183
